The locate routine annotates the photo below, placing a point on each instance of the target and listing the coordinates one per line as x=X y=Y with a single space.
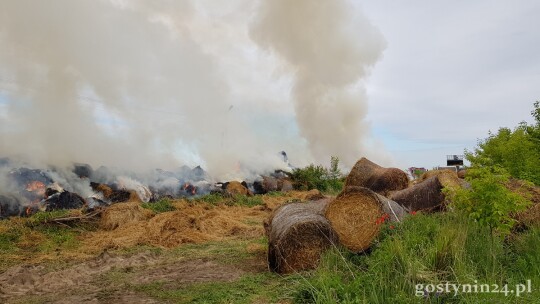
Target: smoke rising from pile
x=329 y=52
x=136 y=84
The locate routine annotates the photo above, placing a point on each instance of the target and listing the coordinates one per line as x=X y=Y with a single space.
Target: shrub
x=488 y=201
x=319 y=177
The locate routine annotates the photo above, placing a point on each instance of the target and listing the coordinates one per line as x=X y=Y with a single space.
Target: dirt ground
x=119 y=270
x=86 y=282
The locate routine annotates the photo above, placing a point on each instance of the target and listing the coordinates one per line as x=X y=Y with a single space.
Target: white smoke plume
x=146 y=84
x=330 y=50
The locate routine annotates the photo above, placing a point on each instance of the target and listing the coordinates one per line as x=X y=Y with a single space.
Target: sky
x=217 y=83
x=451 y=72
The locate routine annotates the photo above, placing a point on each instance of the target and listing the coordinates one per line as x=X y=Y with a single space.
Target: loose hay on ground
x=197 y=223
x=122 y=214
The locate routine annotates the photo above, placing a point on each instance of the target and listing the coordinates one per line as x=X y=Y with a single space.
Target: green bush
x=488 y=201
x=319 y=177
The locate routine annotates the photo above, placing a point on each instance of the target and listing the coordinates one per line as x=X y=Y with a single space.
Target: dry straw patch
x=123 y=214
x=191 y=223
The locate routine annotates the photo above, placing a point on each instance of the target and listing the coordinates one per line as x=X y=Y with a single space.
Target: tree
x=517 y=150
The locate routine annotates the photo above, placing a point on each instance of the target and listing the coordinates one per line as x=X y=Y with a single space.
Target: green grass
x=230 y=252
x=427 y=249
x=248 y=201
x=38 y=235
x=161 y=206
x=211 y=198
x=237 y=200
x=276 y=193
x=250 y=288
x=41 y=217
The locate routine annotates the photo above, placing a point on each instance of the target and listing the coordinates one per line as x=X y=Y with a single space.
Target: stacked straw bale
x=381 y=180
x=354 y=216
x=427 y=195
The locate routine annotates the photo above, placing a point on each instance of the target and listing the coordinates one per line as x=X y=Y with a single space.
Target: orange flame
x=36 y=187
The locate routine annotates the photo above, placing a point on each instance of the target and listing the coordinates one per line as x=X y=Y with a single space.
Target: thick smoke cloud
x=330 y=51
x=139 y=85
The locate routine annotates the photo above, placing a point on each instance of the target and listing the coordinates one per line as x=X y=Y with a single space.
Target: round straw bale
x=427 y=195
x=381 y=180
x=121 y=214
x=236 y=188
x=354 y=214
x=443 y=172
x=297 y=235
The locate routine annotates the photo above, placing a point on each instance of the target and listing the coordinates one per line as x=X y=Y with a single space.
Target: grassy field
x=429 y=249
x=424 y=249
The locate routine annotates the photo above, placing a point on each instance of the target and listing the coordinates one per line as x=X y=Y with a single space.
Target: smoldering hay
x=146 y=84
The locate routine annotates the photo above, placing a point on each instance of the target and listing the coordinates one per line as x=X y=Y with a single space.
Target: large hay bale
x=354 y=214
x=298 y=234
x=237 y=188
x=372 y=176
x=443 y=172
x=427 y=195
x=122 y=214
